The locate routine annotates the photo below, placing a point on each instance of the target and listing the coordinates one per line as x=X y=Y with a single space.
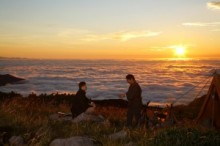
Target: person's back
x=80 y=102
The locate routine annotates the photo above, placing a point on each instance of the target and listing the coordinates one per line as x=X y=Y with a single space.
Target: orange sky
x=77 y=30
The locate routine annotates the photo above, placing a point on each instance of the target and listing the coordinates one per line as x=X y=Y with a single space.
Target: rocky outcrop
x=9 y=79
x=76 y=141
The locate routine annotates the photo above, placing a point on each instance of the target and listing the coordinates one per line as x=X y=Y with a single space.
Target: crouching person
x=80 y=103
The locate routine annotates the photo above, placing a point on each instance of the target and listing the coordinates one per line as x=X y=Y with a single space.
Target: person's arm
x=132 y=94
x=89 y=102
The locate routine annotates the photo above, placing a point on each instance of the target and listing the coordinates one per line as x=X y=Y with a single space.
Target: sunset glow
x=57 y=29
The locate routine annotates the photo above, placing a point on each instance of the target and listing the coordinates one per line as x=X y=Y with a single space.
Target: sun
x=180 y=51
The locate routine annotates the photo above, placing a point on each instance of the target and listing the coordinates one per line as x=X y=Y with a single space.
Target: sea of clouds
x=162 y=82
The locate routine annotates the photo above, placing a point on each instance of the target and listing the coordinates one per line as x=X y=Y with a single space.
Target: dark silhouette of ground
x=9 y=79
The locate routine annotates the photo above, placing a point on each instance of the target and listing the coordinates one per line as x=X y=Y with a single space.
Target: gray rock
x=84 y=117
x=16 y=141
x=119 y=135
x=88 y=117
x=81 y=118
x=131 y=144
x=75 y=141
x=57 y=117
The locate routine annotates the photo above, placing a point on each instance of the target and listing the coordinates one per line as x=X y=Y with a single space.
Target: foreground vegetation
x=28 y=117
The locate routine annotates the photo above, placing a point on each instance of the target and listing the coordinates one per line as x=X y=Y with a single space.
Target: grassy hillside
x=28 y=117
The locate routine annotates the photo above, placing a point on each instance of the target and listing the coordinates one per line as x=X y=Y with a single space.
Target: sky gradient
x=113 y=29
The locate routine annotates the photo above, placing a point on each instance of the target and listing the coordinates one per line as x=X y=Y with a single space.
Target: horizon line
x=124 y=59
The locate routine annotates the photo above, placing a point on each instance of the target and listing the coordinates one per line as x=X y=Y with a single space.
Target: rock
x=16 y=141
x=88 y=117
x=91 y=110
x=75 y=141
x=131 y=144
x=84 y=117
x=57 y=117
x=119 y=135
x=9 y=79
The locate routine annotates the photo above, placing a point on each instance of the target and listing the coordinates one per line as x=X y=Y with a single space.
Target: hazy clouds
x=214 y=5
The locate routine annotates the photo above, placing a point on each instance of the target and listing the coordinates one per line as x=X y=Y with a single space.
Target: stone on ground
x=119 y=135
x=16 y=141
x=75 y=141
x=88 y=117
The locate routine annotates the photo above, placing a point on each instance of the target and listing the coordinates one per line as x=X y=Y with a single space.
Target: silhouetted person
x=134 y=101
x=80 y=102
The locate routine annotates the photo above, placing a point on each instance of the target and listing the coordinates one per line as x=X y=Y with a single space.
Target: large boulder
x=75 y=141
x=9 y=79
x=87 y=116
x=16 y=141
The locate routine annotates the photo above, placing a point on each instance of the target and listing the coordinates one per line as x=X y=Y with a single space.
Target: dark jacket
x=80 y=103
x=134 y=95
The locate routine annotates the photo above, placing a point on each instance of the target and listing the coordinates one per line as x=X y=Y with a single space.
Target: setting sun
x=180 y=51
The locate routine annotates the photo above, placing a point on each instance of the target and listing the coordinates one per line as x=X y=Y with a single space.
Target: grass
x=187 y=137
x=28 y=117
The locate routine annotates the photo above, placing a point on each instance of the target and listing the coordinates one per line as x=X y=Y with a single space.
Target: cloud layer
x=214 y=5
x=161 y=81
x=121 y=36
x=89 y=36
x=201 y=24
x=163 y=48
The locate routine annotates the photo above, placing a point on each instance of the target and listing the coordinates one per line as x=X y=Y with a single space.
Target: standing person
x=80 y=102
x=134 y=101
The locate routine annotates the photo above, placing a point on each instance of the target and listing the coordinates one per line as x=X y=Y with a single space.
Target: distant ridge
x=12 y=58
x=9 y=79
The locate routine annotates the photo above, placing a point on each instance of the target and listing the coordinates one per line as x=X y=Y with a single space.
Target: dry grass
x=29 y=117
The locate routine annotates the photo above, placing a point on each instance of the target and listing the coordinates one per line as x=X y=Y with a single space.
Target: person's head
x=82 y=86
x=130 y=78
